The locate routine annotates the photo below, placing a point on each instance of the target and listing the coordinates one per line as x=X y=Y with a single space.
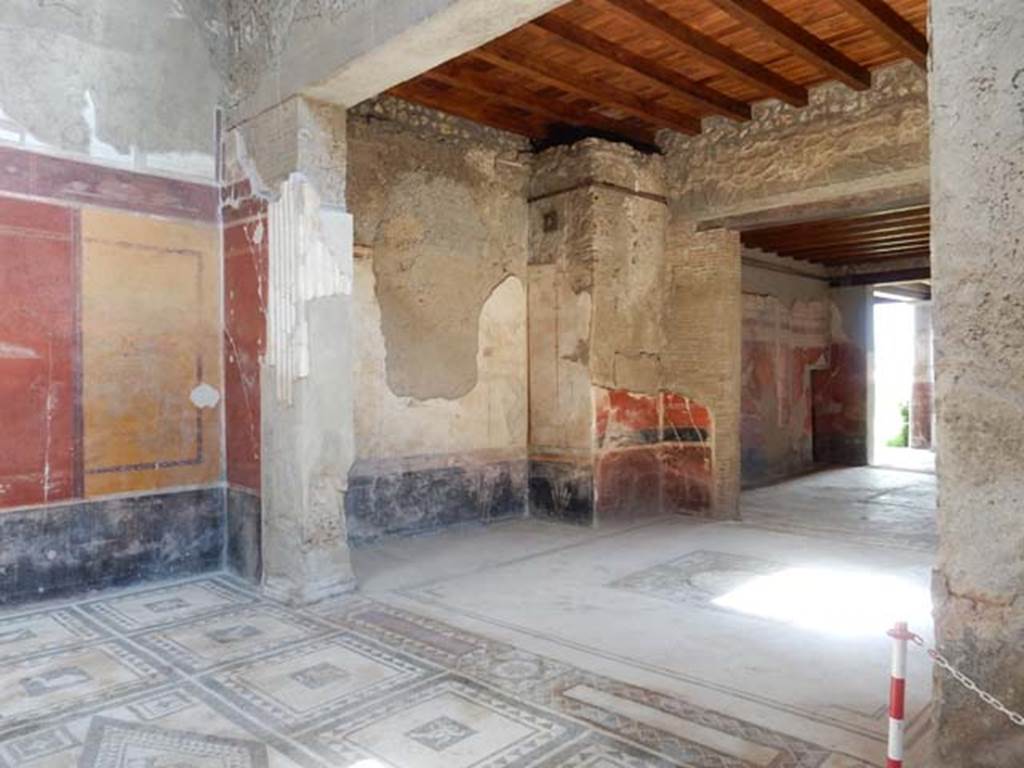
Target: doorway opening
x=902 y=378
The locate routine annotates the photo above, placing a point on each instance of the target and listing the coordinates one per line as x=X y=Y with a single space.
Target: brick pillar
x=977 y=136
x=615 y=431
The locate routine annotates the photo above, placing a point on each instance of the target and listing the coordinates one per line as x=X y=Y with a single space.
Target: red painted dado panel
x=654 y=454
x=38 y=348
x=245 y=287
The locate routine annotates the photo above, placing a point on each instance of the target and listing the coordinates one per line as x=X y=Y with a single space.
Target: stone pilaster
x=295 y=156
x=977 y=145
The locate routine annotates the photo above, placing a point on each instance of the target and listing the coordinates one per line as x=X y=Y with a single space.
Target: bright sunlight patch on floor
x=837 y=602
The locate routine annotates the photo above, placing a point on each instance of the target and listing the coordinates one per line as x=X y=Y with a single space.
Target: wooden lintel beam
x=786 y=33
x=903 y=36
x=696 y=94
x=464 y=77
x=709 y=50
x=589 y=88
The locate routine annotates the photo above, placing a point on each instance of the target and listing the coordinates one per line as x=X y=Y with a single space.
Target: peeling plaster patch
x=10 y=351
x=11 y=130
x=97 y=148
x=204 y=396
x=490 y=417
x=430 y=321
x=837 y=325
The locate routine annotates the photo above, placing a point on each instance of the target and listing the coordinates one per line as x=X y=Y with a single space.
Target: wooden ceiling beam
x=697 y=95
x=855 y=249
x=423 y=91
x=840 y=262
x=839 y=238
x=589 y=88
x=899 y=33
x=789 y=35
x=461 y=76
x=916 y=215
x=912 y=242
x=860 y=253
x=709 y=50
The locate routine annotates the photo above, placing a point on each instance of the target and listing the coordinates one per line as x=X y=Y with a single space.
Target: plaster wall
x=440 y=320
x=132 y=84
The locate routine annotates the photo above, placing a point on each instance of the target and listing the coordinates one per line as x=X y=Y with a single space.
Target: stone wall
x=978 y=287
x=440 y=325
x=846 y=149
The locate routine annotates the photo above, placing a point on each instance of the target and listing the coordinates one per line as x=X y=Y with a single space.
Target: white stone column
x=977 y=145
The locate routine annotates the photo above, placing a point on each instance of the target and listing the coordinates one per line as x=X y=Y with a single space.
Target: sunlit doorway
x=902 y=378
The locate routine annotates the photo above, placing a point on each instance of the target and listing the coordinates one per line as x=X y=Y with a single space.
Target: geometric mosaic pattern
x=116 y=744
x=884 y=509
x=696 y=578
x=209 y=674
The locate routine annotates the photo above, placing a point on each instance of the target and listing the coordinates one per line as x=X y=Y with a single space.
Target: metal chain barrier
x=1015 y=717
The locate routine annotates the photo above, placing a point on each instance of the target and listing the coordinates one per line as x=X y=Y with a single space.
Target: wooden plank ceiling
x=627 y=68
x=855 y=240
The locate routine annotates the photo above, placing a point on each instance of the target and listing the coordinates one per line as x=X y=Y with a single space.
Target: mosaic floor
x=522 y=645
x=870 y=505
x=206 y=674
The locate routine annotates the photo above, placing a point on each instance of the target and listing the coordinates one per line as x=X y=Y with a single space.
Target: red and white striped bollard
x=897 y=694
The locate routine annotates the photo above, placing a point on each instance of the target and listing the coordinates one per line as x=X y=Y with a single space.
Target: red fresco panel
x=628 y=484
x=681 y=412
x=38 y=343
x=627 y=418
x=245 y=280
x=686 y=477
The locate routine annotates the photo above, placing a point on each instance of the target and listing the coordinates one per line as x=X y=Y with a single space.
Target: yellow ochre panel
x=150 y=315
